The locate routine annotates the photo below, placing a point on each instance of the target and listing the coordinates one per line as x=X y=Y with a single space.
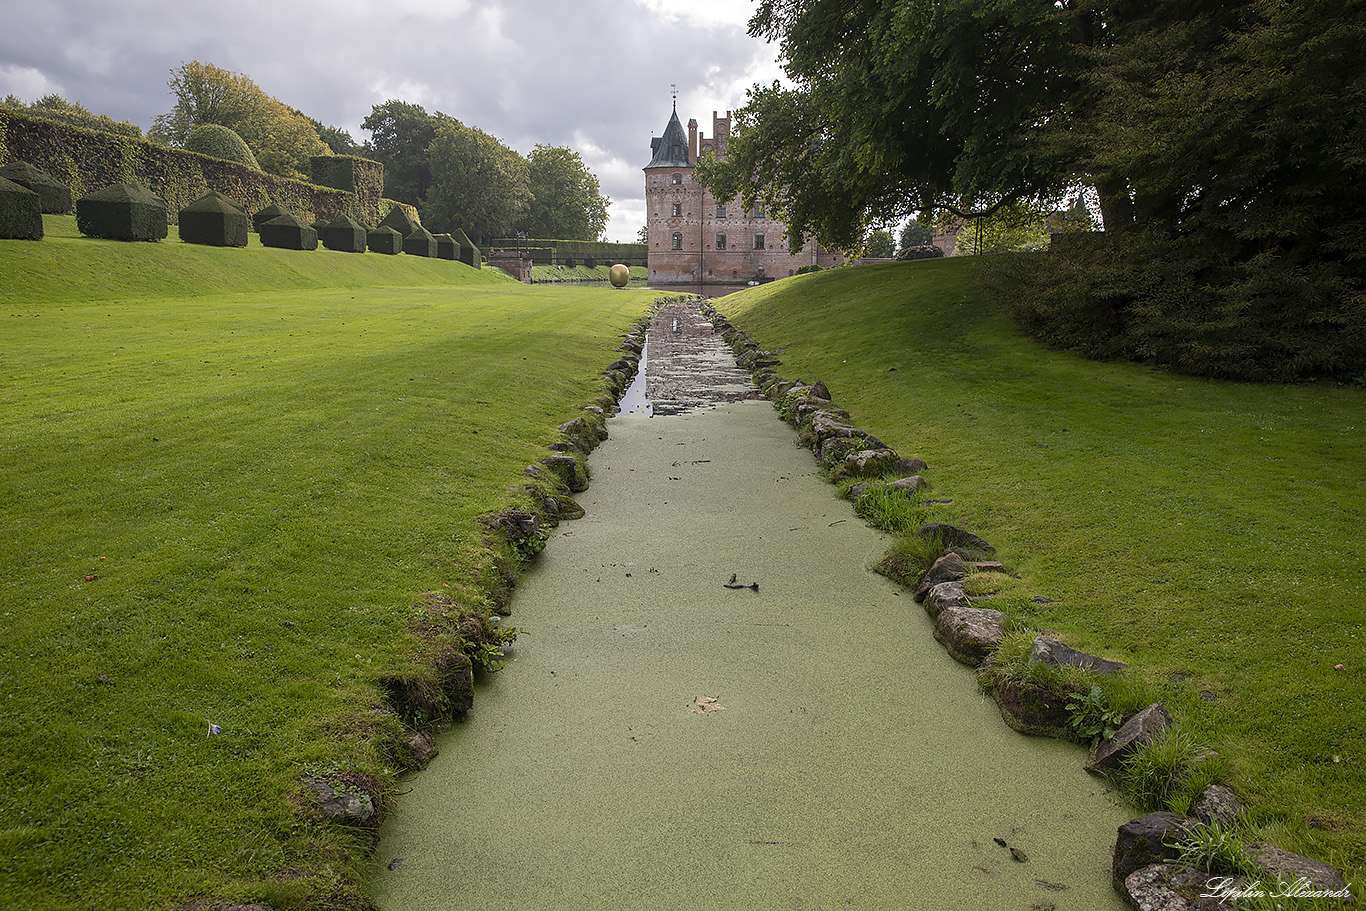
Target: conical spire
x=672 y=150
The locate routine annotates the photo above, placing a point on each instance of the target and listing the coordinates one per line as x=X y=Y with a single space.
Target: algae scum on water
x=667 y=736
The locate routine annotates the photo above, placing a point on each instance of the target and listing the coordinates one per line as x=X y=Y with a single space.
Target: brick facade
x=693 y=239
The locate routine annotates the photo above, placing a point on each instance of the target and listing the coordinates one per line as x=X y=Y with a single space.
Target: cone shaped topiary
x=214 y=220
x=21 y=212
x=54 y=196
x=124 y=211
x=384 y=240
x=344 y=235
x=288 y=233
x=466 y=251
x=420 y=243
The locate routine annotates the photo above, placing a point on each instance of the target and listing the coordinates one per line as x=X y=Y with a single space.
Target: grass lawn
x=228 y=477
x=1209 y=533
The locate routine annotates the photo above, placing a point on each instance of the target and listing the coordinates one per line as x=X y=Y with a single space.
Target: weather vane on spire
x=673 y=90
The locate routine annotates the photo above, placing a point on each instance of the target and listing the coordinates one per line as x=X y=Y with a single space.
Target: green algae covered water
x=661 y=741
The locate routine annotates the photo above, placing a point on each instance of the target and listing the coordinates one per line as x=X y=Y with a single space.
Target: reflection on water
x=633 y=400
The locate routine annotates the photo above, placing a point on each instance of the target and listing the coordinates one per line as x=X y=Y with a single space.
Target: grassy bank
x=229 y=476
x=1208 y=533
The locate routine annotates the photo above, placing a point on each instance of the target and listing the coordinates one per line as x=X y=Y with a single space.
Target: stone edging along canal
x=441 y=687
x=1145 y=868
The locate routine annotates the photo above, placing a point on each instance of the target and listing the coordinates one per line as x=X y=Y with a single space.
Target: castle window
x=759 y=210
x=677 y=179
x=758 y=241
x=720 y=241
x=720 y=211
x=678 y=209
x=678 y=241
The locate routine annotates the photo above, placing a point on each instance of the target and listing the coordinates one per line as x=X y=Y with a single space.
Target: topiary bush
x=384 y=240
x=21 y=212
x=924 y=251
x=265 y=215
x=123 y=211
x=467 y=252
x=344 y=235
x=53 y=195
x=288 y=233
x=214 y=220
x=445 y=246
x=420 y=243
x=218 y=141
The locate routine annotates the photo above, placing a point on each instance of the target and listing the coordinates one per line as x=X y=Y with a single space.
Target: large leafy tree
x=401 y=135
x=478 y=184
x=283 y=140
x=566 y=200
x=1223 y=140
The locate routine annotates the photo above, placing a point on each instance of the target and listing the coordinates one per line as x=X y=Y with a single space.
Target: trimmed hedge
x=214 y=220
x=466 y=251
x=343 y=235
x=21 y=212
x=87 y=160
x=445 y=246
x=54 y=195
x=402 y=218
x=265 y=215
x=218 y=141
x=420 y=243
x=124 y=211
x=288 y=233
x=559 y=252
x=384 y=240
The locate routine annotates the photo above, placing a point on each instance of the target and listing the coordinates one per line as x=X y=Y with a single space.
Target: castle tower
x=693 y=239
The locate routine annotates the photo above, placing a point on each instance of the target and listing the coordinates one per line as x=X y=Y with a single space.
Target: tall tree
x=401 y=134
x=283 y=140
x=566 y=200
x=880 y=244
x=478 y=184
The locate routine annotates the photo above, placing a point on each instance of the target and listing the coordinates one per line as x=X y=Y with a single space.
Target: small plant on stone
x=1167 y=772
x=1091 y=716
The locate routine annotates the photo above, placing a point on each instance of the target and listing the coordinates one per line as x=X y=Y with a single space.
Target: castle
x=694 y=238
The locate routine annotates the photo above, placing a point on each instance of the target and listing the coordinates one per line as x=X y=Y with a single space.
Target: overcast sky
x=593 y=75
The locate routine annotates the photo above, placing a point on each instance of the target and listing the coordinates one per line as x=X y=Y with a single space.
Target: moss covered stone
x=384 y=240
x=21 y=212
x=214 y=220
x=123 y=211
x=344 y=235
x=288 y=233
x=53 y=195
x=420 y=243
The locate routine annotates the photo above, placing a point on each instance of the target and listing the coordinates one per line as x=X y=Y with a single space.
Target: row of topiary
x=127 y=211
x=1042 y=686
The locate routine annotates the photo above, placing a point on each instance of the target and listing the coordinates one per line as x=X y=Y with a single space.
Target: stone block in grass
x=122 y=211
x=384 y=240
x=420 y=243
x=214 y=220
x=21 y=212
x=288 y=233
x=344 y=235
x=53 y=195
x=445 y=246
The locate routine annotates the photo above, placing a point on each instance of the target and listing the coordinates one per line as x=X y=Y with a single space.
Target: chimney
x=692 y=140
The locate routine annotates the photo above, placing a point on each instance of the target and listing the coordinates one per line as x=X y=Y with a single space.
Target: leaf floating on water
x=395 y=863
x=1000 y=841
x=704 y=704
x=1018 y=856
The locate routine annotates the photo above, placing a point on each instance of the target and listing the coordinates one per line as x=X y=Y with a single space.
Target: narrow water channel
x=662 y=741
